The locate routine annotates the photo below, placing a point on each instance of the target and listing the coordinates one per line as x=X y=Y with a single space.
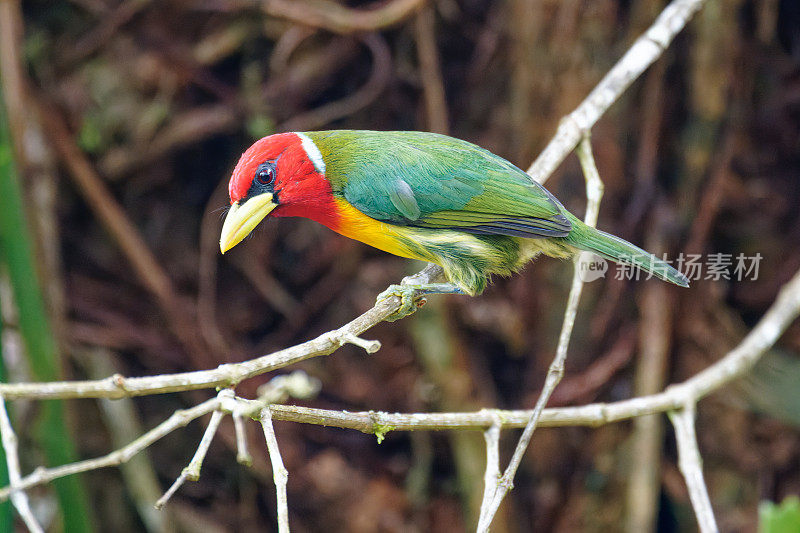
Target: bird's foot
x=411 y=296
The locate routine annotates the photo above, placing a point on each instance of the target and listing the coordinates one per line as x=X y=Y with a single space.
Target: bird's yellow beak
x=242 y=219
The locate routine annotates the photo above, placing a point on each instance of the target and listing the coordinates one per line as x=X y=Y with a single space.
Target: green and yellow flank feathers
x=419 y=195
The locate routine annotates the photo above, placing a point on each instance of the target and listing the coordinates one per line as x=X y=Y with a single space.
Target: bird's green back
x=430 y=180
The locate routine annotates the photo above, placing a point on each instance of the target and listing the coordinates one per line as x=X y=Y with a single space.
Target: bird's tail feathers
x=621 y=251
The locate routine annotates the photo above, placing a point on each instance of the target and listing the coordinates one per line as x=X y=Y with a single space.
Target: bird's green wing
x=434 y=181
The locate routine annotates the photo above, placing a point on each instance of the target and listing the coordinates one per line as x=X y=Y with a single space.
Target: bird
x=418 y=195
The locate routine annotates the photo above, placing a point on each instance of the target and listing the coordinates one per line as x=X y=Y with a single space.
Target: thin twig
x=178 y=483
x=297 y=385
x=279 y=473
x=492 y=473
x=192 y=472
x=18 y=498
x=691 y=467
x=594 y=185
x=117 y=457
x=243 y=456
x=594 y=193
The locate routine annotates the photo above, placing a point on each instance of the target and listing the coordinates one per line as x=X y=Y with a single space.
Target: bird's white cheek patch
x=313 y=152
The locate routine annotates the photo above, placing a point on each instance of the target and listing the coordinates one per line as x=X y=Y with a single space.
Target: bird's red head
x=281 y=175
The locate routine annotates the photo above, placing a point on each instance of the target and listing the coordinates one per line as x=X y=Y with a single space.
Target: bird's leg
x=410 y=294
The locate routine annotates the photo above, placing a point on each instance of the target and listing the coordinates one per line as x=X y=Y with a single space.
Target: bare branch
x=18 y=498
x=192 y=472
x=297 y=385
x=733 y=365
x=117 y=457
x=178 y=483
x=279 y=473
x=118 y=386
x=691 y=467
x=492 y=474
x=783 y=312
x=594 y=193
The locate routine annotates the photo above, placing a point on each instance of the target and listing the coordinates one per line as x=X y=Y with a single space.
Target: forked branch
x=691 y=466
x=594 y=193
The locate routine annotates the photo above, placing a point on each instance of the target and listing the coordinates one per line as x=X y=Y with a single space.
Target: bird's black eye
x=265 y=173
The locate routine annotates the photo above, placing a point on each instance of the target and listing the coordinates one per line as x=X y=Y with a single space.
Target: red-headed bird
x=418 y=195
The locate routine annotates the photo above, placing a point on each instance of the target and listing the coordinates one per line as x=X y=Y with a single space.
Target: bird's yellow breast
x=387 y=237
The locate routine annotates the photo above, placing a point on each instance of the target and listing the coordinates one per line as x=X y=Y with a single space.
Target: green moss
x=381 y=430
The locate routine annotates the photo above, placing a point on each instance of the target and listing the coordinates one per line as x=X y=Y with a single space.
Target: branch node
x=379 y=428
x=298 y=384
x=191 y=473
x=506 y=482
x=370 y=346
x=243 y=456
x=232 y=373
x=119 y=382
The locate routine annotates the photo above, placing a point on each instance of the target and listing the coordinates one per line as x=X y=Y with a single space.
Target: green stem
x=16 y=253
x=6 y=514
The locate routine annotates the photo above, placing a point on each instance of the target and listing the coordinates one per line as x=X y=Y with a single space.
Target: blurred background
x=122 y=121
